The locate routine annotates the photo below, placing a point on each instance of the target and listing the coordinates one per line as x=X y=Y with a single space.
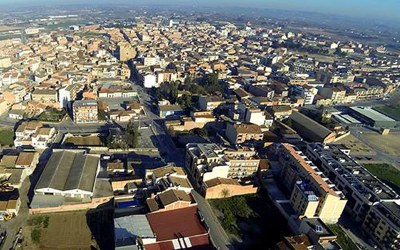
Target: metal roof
x=128 y=228
x=372 y=114
x=68 y=170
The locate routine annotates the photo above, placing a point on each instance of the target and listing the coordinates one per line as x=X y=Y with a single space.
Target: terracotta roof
x=168 y=224
x=170 y=196
x=248 y=128
x=167 y=170
x=219 y=181
x=25 y=158
x=312 y=172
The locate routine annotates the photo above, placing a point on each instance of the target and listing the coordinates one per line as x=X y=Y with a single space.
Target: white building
x=150 y=81
x=206 y=161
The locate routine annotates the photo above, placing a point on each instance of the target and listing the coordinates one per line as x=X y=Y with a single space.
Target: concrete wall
x=227 y=190
x=65 y=208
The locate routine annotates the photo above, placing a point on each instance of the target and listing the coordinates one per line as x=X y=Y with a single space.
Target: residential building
x=150 y=81
x=205 y=161
x=166 y=111
x=46 y=96
x=125 y=51
x=32 y=133
x=240 y=133
x=169 y=200
x=312 y=193
x=383 y=224
x=244 y=163
x=14 y=94
x=209 y=103
x=68 y=94
x=85 y=111
x=361 y=188
x=335 y=95
x=168 y=177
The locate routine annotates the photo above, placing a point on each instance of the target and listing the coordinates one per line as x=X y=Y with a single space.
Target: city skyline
x=365 y=9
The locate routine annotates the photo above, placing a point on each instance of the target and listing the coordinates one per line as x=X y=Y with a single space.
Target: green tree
x=35 y=235
x=185 y=101
x=132 y=135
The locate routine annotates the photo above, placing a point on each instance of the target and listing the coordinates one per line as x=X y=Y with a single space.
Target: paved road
x=217 y=234
x=12 y=226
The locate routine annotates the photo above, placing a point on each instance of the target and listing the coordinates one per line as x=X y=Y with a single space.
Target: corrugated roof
x=68 y=170
x=128 y=228
x=310 y=124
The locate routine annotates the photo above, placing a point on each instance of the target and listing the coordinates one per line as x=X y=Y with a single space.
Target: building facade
x=85 y=111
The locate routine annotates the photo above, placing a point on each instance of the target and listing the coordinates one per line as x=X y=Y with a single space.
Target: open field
x=6 y=136
x=7 y=28
x=63 y=231
x=84 y=141
x=389 y=144
x=356 y=146
x=387 y=173
x=391 y=111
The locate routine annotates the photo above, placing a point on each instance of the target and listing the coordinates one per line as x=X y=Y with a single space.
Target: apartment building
x=244 y=163
x=68 y=94
x=209 y=103
x=46 y=96
x=205 y=161
x=240 y=133
x=85 y=111
x=312 y=193
x=336 y=95
x=383 y=224
x=361 y=188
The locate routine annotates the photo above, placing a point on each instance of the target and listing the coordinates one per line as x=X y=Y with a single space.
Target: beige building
x=209 y=103
x=14 y=94
x=312 y=194
x=85 y=111
x=47 y=96
x=358 y=185
x=336 y=95
x=125 y=51
x=244 y=163
x=239 y=133
x=5 y=62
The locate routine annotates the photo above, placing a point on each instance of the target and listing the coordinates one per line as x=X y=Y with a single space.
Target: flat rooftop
x=372 y=114
x=356 y=175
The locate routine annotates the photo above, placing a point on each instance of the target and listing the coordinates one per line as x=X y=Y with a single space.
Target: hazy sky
x=372 y=9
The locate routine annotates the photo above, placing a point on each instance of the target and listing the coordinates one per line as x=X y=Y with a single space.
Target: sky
x=370 y=9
